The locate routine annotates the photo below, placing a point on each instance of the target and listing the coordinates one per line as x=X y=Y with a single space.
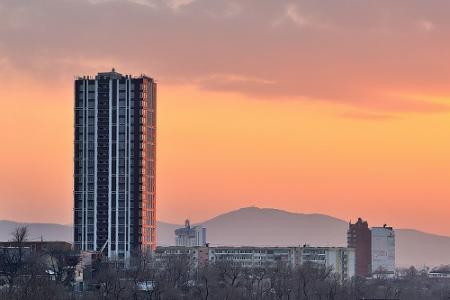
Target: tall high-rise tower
x=114 y=164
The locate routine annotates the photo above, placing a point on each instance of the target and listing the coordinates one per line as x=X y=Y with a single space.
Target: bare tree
x=142 y=272
x=109 y=282
x=206 y=279
x=12 y=258
x=314 y=281
x=260 y=275
x=281 y=281
x=229 y=278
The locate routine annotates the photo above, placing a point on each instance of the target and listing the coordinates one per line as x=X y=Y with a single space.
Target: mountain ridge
x=253 y=226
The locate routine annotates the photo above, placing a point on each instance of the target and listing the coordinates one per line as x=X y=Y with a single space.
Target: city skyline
x=342 y=111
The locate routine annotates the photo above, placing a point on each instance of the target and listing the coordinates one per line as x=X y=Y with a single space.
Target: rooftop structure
x=190 y=236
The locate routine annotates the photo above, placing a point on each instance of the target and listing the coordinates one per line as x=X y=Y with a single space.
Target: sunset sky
x=333 y=107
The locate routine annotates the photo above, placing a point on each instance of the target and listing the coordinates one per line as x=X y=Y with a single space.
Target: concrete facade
x=383 y=251
x=340 y=259
x=359 y=238
x=114 y=164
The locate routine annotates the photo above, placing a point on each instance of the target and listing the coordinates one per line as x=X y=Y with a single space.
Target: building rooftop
x=111 y=75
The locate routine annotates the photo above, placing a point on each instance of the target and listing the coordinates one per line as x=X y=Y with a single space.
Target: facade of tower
x=114 y=164
x=383 y=251
x=359 y=237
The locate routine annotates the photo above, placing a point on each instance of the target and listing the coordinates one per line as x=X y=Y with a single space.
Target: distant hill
x=258 y=226
x=165 y=233
x=262 y=226
x=48 y=231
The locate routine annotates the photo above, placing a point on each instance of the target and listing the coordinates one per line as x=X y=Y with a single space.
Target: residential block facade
x=359 y=238
x=340 y=259
x=114 y=164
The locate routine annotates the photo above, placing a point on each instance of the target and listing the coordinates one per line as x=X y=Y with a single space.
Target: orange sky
x=221 y=151
x=311 y=122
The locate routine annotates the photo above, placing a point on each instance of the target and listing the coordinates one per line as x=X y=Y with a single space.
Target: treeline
x=175 y=278
x=26 y=274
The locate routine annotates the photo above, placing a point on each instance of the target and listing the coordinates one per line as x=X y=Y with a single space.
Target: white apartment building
x=252 y=256
x=383 y=251
x=340 y=259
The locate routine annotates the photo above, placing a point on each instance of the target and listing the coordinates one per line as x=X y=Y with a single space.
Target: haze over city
x=337 y=108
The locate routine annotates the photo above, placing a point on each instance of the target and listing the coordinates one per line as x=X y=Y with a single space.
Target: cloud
x=293 y=14
x=176 y=4
x=147 y=3
x=348 y=52
x=426 y=25
x=364 y=115
x=234 y=78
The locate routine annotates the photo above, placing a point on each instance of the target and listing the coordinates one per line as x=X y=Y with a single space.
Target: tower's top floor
x=112 y=75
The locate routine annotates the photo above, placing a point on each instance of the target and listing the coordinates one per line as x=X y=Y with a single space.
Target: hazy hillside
x=420 y=248
x=48 y=231
x=255 y=226
x=165 y=233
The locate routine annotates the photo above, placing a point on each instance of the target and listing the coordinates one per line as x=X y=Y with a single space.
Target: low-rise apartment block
x=340 y=259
